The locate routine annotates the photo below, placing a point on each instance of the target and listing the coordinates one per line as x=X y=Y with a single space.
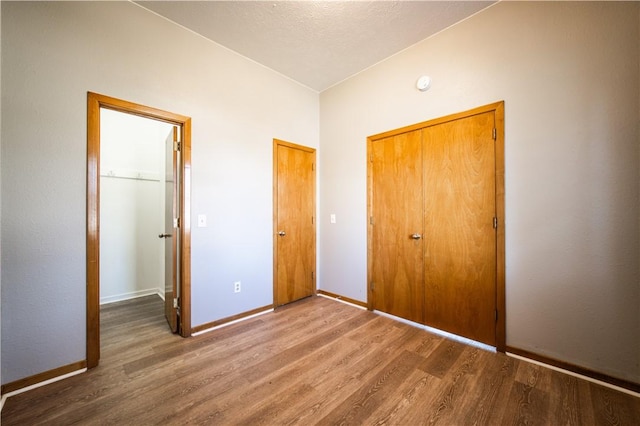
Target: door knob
x=164 y=236
x=282 y=233
x=416 y=236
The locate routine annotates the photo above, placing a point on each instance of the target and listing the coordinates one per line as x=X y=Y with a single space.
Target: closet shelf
x=131 y=174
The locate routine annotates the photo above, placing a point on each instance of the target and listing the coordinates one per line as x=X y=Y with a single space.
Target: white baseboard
x=132 y=295
x=579 y=376
x=39 y=384
x=197 y=333
x=342 y=301
x=439 y=332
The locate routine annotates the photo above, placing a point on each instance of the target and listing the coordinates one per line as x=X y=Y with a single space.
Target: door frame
x=94 y=103
x=498 y=109
x=276 y=143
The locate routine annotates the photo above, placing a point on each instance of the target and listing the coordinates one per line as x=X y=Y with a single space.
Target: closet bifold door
x=396 y=251
x=460 y=238
x=436 y=232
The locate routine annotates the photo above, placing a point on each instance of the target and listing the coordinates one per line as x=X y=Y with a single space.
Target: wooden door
x=460 y=238
x=442 y=183
x=294 y=222
x=396 y=252
x=170 y=234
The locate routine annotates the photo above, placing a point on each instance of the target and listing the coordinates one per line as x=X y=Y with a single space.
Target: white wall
x=569 y=76
x=53 y=53
x=132 y=191
x=567 y=71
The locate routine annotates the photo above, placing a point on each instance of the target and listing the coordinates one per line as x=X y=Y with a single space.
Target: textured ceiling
x=317 y=43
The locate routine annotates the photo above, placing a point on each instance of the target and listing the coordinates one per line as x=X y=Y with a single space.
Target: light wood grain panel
x=498 y=313
x=294 y=222
x=439 y=120
x=93 y=230
x=185 y=228
x=396 y=213
x=460 y=240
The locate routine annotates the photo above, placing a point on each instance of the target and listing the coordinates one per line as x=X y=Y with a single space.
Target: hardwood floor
x=316 y=361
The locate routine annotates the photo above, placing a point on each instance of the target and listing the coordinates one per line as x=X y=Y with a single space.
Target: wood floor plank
x=357 y=408
x=612 y=407
x=569 y=400
x=484 y=390
x=303 y=362
x=526 y=405
x=312 y=343
x=443 y=404
x=347 y=375
x=316 y=361
x=412 y=393
x=442 y=358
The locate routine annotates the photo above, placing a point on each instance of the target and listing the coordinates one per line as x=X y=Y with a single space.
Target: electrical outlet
x=236 y=287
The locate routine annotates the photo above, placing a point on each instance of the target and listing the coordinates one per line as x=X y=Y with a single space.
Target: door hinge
x=495 y=223
x=175 y=303
x=176 y=222
x=372 y=285
x=313 y=275
x=370 y=220
x=496 y=315
x=494 y=134
x=371 y=157
x=313 y=167
x=176 y=146
x=312 y=220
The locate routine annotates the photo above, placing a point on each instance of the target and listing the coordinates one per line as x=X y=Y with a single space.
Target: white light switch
x=202 y=221
x=332 y=218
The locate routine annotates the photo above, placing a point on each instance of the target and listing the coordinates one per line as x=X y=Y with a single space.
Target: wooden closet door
x=294 y=214
x=460 y=239
x=396 y=207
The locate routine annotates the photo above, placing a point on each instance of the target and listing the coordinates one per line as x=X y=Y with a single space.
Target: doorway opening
x=132 y=206
x=175 y=180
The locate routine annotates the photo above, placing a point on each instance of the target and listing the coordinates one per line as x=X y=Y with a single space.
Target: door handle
x=416 y=236
x=164 y=236
x=282 y=233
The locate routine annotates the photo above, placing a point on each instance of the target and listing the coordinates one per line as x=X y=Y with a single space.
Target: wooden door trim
x=498 y=109
x=501 y=303
x=435 y=121
x=94 y=103
x=276 y=143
